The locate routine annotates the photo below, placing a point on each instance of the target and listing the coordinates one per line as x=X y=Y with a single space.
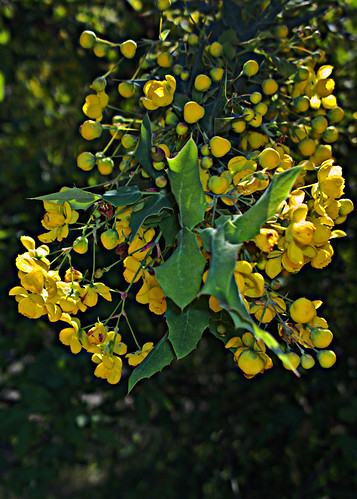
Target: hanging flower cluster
x=219 y=178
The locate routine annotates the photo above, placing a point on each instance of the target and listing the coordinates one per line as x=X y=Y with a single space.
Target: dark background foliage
x=198 y=429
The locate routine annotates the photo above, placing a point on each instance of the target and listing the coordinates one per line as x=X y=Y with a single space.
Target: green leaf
x=216 y=107
x=154 y=204
x=181 y=275
x=221 y=284
x=170 y=227
x=186 y=327
x=245 y=227
x=286 y=68
x=2 y=86
x=77 y=198
x=123 y=196
x=164 y=34
x=142 y=153
x=161 y=356
x=186 y=185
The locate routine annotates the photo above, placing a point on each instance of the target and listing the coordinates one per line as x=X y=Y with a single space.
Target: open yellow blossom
x=56 y=220
x=109 y=367
x=137 y=357
x=159 y=93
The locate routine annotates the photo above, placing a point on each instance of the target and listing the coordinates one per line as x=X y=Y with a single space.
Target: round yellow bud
x=126 y=89
x=91 y=130
x=319 y=124
x=255 y=97
x=239 y=126
x=250 y=362
x=128 y=141
x=302 y=311
x=217 y=185
x=330 y=135
x=302 y=103
x=321 y=338
x=202 y=83
x=307 y=147
x=164 y=60
x=219 y=146
x=163 y=4
x=128 y=48
x=326 y=358
x=307 y=361
x=80 y=245
x=105 y=165
x=86 y=161
x=87 y=39
x=193 y=112
x=294 y=361
x=269 y=158
x=346 y=206
x=269 y=86
x=110 y=239
x=251 y=68
x=216 y=49
x=261 y=108
x=217 y=74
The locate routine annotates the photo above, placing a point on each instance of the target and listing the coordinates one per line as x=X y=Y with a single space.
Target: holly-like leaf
x=77 y=198
x=142 y=153
x=154 y=204
x=186 y=326
x=286 y=68
x=216 y=107
x=181 y=275
x=186 y=185
x=170 y=227
x=123 y=196
x=161 y=356
x=221 y=284
x=244 y=227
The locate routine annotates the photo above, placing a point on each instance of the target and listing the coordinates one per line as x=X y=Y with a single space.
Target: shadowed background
x=199 y=428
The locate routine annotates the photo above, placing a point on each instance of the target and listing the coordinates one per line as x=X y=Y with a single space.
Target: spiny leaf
x=161 y=356
x=186 y=185
x=154 y=205
x=244 y=227
x=181 y=275
x=123 y=196
x=77 y=198
x=221 y=284
x=142 y=153
x=186 y=326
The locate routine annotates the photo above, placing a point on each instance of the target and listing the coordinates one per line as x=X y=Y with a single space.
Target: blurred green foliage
x=199 y=429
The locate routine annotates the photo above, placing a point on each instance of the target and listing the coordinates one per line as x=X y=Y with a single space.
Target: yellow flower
x=30 y=305
x=265 y=311
x=137 y=357
x=159 y=93
x=266 y=239
x=302 y=310
x=56 y=220
x=250 y=354
x=249 y=283
x=193 y=112
x=109 y=367
x=70 y=336
x=151 y=293
x=90 y=292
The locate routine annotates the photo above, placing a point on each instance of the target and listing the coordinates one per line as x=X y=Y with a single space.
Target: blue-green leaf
x=123 y=196
x=186 y=326
x=181 y=275
x=161 y=356
x=142 y=153
x=186 y=185
x=244 y=227
x=77 y=198
x=154 y=205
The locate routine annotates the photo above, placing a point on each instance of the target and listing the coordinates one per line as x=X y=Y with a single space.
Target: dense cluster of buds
x=224 y=144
